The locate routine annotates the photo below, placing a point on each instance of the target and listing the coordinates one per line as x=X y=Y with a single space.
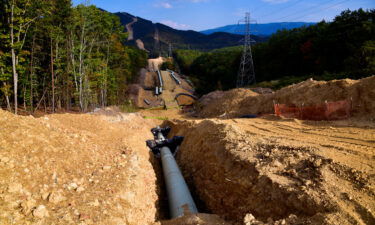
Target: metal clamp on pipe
x=180 y=201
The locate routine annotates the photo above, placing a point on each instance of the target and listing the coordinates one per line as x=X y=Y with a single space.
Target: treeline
x=343 y=48
x=55 y=56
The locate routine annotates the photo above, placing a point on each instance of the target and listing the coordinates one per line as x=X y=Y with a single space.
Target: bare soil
x=275 y=171
x=154 y=64
x=76 y=169
x=143 y=92
x=129 y=28
x=238 y=102
x=96 y=169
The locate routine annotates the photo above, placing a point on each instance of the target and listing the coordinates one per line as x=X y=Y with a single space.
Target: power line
x=312 y=9
x=268 y=14
x=319 y=10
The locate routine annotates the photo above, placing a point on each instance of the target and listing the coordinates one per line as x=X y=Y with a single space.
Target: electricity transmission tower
x=246 y=74
x=170 y=50
x=157 y=45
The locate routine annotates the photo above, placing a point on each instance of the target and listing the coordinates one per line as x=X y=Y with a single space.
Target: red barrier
x=327 y=111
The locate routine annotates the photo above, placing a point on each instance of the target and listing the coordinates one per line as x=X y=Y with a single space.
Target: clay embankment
x=238 y=102
x=280 y=171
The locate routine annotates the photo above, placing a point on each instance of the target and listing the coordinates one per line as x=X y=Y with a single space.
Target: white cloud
x=169 y=4
x=275 y=1
x=165 y=5
x=196 y=1
x=176 y=25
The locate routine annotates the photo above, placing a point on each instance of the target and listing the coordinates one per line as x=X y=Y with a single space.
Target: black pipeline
x=179 y=197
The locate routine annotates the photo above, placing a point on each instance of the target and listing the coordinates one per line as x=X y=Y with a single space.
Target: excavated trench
x=233 y=172
x=221 y=165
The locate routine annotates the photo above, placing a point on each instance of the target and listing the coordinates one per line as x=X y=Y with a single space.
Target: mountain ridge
x=155 y=37
x=264 y=29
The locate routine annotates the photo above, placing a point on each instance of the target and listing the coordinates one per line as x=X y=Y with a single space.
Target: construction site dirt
x=95 y=168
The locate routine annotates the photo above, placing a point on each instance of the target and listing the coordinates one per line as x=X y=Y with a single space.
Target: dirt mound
x=310 y=92
x=71 y=169
x=260 y=168
x=154 y=64
x=219 y=102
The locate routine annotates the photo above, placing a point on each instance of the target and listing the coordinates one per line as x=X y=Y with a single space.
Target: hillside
x=265 y=29
x=149 y=33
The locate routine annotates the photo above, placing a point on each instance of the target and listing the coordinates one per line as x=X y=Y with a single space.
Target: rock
x=54 y=177
x=67 y=217
x=277 y=163
x=15 y=188
x=44 y=195
x=40 y=212
x=95 y=203
x=56 y=197
x=80 y=189
x=106 y=167
x=72 y=186
x=27 y=206
x=308 y=182
x=249 y=219
x=76 y=212
x=317 y=162
x=4 y=159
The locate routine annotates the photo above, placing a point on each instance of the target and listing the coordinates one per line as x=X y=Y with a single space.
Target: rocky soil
x=238 y=102
x=145 y=90
x=76 y=169
x=96 y=169
x=277 y=171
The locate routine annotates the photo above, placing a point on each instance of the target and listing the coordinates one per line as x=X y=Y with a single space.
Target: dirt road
x=129 y=28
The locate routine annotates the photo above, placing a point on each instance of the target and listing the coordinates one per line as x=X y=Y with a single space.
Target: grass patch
x=128 y=108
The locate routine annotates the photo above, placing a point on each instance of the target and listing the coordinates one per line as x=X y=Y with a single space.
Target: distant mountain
x=265 y=29
x=155 y=36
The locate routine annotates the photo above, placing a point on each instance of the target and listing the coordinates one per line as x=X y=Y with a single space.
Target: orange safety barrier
x=327 y=111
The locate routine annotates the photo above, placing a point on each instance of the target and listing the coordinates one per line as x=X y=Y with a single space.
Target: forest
x=54 y=56
x=343 y=48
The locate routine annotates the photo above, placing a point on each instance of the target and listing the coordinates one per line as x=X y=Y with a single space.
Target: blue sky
x=205 y=14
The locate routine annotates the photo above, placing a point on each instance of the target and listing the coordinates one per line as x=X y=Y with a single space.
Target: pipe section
x=160 y=79
x=174 y=77
x=179 y=197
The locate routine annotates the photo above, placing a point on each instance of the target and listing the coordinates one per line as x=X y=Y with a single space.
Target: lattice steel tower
x=246 y=74
x=170 y=50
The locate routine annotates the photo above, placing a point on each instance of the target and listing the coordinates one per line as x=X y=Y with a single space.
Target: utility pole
x=157 y=45
x=246 y=74
x=170 y=50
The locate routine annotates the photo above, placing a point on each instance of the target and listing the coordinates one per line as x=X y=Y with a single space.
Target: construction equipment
x=179 y=197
